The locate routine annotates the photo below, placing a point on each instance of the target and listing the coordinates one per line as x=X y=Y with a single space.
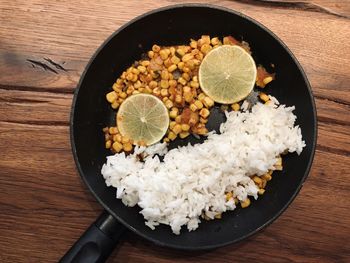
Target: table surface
x=43 y=202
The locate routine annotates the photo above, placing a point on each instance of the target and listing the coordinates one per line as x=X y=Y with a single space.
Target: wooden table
x=44 y=47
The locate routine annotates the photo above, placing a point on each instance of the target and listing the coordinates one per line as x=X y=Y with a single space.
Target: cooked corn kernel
x=150 y=54
x=183 y=134
x=113 y=130
x=267 y=80
x=117 y=137
x=164 y=84
x=193 y=107
x=172 y=124
x=229 y=195
x=178 y=98
x=111 y=96
x=203 y=120
x=218 y=216
x=245 y=203
x=177 y=129
x=208 y=102
x=235 y=107
x=264 y=97
x=155 y=48
x=215 y=41
x=182 y=81
x=169 y=104
x=127 y=147
x=172 y=68
x=194 y=84
x=115 y=105
x=108 y=144
x=164 y=92
x=172 y=136
x=204 y=112
x=117 y=146
x=173 y=114
x=188 y=96
x=267 y=177
x=261 y=191
x=185 y=127
x=187 y=57
x=178 y=119
x=198 y=104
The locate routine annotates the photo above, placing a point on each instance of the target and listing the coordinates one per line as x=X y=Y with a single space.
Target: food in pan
x=181 y=186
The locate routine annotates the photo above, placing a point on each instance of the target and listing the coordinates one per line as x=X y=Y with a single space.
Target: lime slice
x=143 y=118
x=227 y=74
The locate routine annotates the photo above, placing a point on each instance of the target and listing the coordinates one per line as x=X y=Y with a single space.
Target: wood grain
x=44 y=47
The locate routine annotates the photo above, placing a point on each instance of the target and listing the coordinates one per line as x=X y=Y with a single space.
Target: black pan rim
x=256 y=23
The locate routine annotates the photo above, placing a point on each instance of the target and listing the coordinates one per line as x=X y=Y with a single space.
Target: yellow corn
x=164 y=84
x=165 y=74
x=261 y=191
x=206 y=48
x=187 y=57
x=193 y=44
x=198 y=104
x=178 y=98
x=204 y=112
x=117 y=146
x=111 y=96
x=172 y=136
x=127 y=147
x=203 y=120
x=218 y=216
x=267 y=80
x=178 y=119
x=172 y=68
x=155 y=48
x=169 y=104
x=215 y=41
x=185 y=127
x=264 y=97
x=245 y=203
x=188 y=96
x=125 y=139
x=156 y=91
x=208 y=102
x=163 y=54
x=182 y=81
x=172 y=124
x=193 y=107
x=150 y=54
x=183 y=134
x=235 y=107
x=173 y=114
x=115 y=105
x=267 y=177
x=194 y=84
x=229 y=195
x=117 y=137
x=108 y=144
x=113 y=130
x=177 y=129
x=164 y=92
x=181 y=65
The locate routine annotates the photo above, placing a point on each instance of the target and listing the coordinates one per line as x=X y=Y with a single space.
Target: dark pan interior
x=177 y=25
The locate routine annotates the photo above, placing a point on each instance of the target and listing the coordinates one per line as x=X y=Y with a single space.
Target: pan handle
x=97 y=243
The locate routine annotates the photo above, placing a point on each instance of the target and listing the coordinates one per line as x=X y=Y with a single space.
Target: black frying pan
x=90 y=113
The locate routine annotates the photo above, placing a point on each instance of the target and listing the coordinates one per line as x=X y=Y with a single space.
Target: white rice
x=193 y=179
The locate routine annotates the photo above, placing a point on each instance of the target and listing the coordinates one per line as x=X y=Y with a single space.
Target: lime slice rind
x=227 y=74
x=143 y=118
